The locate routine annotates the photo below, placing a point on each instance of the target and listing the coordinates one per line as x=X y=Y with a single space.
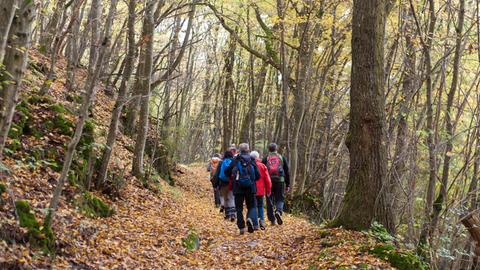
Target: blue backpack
x=225 y=163
x=245 y=172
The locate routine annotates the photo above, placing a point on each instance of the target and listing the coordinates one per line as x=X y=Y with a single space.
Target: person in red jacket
x=264 y=187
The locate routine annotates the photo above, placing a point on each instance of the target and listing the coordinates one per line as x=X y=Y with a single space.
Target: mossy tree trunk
x=15 y=62
x=365 y=199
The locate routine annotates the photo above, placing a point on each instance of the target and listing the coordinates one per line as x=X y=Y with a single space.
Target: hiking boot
x=278 y=217
x=222 y=208
x=250 y=225
x=232 y=218
x=242 y=231
x=262 y=225
x=273 y=223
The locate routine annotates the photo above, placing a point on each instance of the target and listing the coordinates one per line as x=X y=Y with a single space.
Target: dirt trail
x=147 y=233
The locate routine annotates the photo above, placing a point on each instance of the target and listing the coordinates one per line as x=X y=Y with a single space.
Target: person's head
x=228 y=154
x=255 y=155
x=233 y=149
x=243 y=147
x=272 y=147
x=217 y=155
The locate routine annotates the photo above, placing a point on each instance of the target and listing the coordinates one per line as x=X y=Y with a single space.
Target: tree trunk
x=145 y=85
x=399 y=166
x=122 y=93
x=15 y=62
x=365 y=199
x=51 y=31
x=227 y=94
x=7 y=11
x=442 y=196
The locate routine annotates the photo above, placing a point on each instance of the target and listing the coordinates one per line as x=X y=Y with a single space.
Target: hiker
x=233 y=149
x=278 y=169
x=245 y=173
x=212 y=168
x=224 y=186
x=264 y=187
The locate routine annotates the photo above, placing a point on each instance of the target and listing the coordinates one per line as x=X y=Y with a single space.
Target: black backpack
x=245 y=172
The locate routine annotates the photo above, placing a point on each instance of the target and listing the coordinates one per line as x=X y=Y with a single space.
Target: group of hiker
x=241 y=177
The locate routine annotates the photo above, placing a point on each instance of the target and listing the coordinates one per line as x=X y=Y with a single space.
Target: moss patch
x=3 y=188
x=400 y=259
x=92 y=206
x=38 y=236
x=62 y=124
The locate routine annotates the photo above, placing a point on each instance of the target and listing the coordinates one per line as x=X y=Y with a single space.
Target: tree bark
x=365 y=199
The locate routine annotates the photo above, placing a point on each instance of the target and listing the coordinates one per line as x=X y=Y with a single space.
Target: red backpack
x=275 y=165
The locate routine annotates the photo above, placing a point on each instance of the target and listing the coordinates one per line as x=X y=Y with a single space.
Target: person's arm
x=209 y=167
x=286 y=171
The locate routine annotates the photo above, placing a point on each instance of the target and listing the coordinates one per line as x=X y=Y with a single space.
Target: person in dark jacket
x=245 y=173
x=224 y=186
x=279 y=174
x=212 y=169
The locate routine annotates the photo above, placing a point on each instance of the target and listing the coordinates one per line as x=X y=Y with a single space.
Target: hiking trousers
x=228 y=200
x=249 y=198
x=260 y=205
x=276 y=200
x=216 y=197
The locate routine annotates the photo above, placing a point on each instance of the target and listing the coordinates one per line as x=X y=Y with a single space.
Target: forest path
x=148 y=229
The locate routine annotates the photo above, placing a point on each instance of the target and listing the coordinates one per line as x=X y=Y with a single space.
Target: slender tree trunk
x=122 y=93
x=365 y=199
x=432 y=164
x=15 y=62
x=145 y=85
x=227 y=94
x=442 y=196
x=72 y=48
x=51 y=31
x=399 y=167
x=7 y=11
